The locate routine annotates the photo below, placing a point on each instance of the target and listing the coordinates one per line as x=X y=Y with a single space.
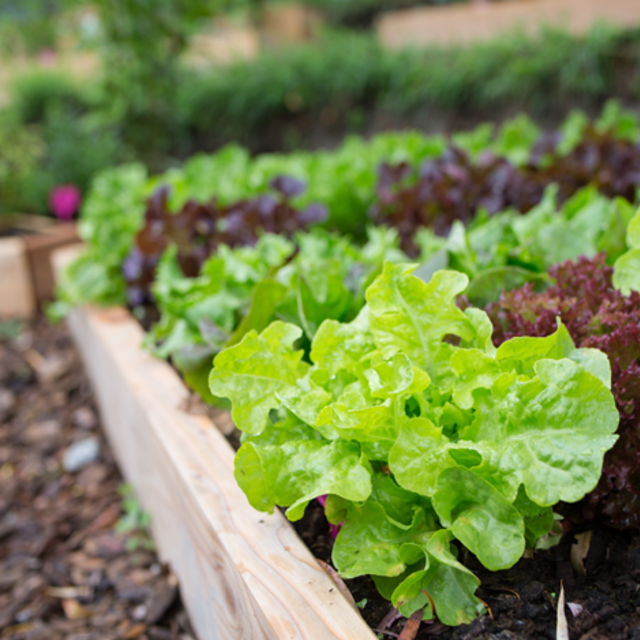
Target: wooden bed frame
x=243 y=574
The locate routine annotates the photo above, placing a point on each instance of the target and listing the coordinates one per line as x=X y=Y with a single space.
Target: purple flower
x=64 y=201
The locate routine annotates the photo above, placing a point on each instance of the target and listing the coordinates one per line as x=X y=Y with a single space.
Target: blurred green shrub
x=235 y=102
x=141 y=45
x=21 y=149
x=347 y=73
x=77 y=148
x=49 y=138
x=361 y=13
x=28 y=26
x=33 y=93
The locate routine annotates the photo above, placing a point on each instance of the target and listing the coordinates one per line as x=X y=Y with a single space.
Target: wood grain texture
x=16 y=290
x=243 y=574
x=463 y=24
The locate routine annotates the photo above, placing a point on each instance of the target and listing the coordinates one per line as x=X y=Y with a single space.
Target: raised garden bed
x=428 y=26
x=26 y=278
x=299 y=442
x=243 y=574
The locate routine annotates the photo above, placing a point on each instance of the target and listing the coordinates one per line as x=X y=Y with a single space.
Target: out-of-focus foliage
x=348 y=81
x=312 y=95
x=33 y=94
x=111 y=216
x=362 y=13
x=200 y=229
x=604 y=154
x=626 y=276
x=344 y=182
x=141 y=42
x=21 y=149
x=52 y=125
x=29 y=26
x=52 y=134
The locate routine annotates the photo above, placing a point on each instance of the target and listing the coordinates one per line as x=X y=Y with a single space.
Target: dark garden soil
x=65 y=572
x=523 y=600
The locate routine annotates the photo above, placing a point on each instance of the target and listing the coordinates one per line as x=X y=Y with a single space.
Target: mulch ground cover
x=66 y=569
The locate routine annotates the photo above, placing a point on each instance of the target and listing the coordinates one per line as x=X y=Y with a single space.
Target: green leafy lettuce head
x=421 y=433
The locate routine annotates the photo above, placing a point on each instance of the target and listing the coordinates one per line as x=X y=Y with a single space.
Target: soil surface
x=524 y=599
x=67 y=568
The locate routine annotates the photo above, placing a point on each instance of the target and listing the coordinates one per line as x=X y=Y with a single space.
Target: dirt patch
x=523 y=600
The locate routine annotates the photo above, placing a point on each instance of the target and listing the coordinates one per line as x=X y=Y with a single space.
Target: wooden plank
x=465 y=24
x=21 y=223
x=243 y=574
x=16 y=290
x=40 y=247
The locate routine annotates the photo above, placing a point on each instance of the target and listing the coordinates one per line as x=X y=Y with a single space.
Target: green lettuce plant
x=422 y=434
x=504 y=251
x=626 y=275
x=246 y=288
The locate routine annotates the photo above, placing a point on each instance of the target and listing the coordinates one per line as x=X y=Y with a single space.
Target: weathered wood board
x=243 y=574
x=16 y=290
x=460 y=24
x=26 y=275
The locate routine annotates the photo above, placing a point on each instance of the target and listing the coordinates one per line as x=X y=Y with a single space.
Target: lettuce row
x=504 y=251
x=421 y=432
x=318 y=276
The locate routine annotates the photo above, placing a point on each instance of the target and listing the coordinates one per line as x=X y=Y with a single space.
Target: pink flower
x=64 y=201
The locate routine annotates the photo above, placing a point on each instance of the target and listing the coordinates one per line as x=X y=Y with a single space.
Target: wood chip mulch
x=66 y=570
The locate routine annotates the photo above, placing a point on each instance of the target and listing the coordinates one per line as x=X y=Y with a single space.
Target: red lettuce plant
x=449 y=188
x=454 y=186
x=599 y=316
x=198 y=229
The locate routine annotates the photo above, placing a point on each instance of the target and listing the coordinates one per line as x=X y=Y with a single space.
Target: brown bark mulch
x=66 y=569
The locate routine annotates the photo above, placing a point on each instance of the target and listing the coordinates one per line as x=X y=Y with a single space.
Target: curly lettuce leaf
x=294 y=472
x=252 y=372
x=409 y=315
x=480 y=517
x=626 y=275
x=449 y=584
x=406 y=561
